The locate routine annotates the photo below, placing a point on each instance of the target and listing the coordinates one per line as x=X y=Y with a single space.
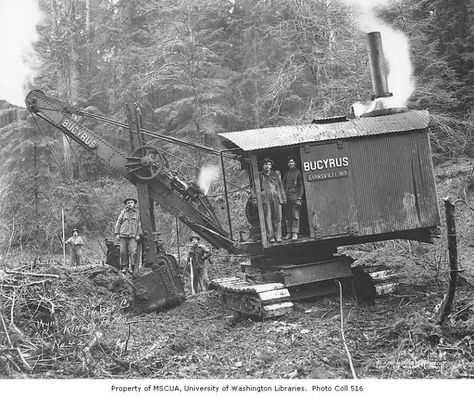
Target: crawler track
x=264 y=301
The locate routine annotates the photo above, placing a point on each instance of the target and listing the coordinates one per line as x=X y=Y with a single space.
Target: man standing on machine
x=128 y=230
x=294 y=189
x=273 y=196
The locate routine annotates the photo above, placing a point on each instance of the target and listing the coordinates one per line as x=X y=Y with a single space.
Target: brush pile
x=52 y=318
x=61 y=322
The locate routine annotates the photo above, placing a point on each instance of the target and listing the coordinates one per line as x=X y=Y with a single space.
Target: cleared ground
x=77 y=324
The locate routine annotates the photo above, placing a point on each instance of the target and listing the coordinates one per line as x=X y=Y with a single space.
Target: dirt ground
x=76 y=326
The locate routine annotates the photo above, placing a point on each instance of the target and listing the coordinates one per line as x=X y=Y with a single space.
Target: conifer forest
x=190 y=70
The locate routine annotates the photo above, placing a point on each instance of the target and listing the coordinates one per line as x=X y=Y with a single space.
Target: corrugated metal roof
x=265 y=138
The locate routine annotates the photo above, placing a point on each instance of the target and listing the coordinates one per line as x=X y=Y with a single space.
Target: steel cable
x=72 y=188
x=76 y=196
x=346 y=348
x=109 y=217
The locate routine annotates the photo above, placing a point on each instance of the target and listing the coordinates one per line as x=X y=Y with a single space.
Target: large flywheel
x=145 y=163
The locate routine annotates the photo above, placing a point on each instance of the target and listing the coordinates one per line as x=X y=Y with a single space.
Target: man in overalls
x=294 y=189
x=273 y=196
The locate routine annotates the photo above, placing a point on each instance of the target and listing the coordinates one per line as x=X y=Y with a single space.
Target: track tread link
x=265 y=301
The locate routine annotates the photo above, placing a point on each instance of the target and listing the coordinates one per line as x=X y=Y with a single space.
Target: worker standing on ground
x=197 y=256
x=273 y=196
x=76 y=243
x=294 y=190
x=128 y=230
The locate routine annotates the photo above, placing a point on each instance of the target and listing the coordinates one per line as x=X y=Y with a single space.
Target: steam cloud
x=207 y=175
x=396 y=50
x=19 y=64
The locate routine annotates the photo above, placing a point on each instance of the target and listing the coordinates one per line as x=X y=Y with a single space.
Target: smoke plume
x=18 y=21
x=207 y=175
x=396 y=50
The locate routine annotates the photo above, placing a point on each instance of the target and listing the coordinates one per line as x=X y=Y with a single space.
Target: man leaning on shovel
x=128 y=230
x=197 y=255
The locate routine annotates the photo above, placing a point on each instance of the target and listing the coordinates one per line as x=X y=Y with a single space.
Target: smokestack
x=382 y=100
x=377 y=66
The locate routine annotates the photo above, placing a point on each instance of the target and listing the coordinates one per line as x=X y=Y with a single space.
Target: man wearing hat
x=273 y=196
x=294 y=189
x=197 y=255
x=128 y=230
x=76 y=243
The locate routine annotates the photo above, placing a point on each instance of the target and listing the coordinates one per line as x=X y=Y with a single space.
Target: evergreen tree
x=433 y=27
x=197 y=68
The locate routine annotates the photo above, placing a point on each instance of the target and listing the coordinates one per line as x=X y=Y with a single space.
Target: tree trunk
x=54 y=13
x=35 y=161
x=63 y=84
x=74 y=80
x=88 y=19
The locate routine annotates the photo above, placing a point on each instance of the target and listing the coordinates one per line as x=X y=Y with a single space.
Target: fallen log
x=94 y=266
x=31 y=274
x=24 y=284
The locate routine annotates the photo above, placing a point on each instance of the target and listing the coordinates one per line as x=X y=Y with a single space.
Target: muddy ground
x=76 y=325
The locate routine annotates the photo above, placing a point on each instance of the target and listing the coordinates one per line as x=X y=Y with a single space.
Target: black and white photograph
x=236 y=197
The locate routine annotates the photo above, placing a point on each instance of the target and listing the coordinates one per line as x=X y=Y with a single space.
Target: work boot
x=288 y=236
x=295 y=236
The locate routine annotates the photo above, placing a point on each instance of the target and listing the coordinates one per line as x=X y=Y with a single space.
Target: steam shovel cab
x=366 y=179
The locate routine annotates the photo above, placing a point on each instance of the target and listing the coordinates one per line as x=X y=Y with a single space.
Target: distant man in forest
x=76 y=243
x=273 y=196
x=128 y=230
x=294 y=190
x=197 y=255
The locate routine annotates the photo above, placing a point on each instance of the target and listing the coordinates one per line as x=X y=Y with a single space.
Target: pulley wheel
x=145 y=163
x=31 y=100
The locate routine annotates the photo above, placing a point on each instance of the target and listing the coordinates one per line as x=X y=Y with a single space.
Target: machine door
x=328 y=190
